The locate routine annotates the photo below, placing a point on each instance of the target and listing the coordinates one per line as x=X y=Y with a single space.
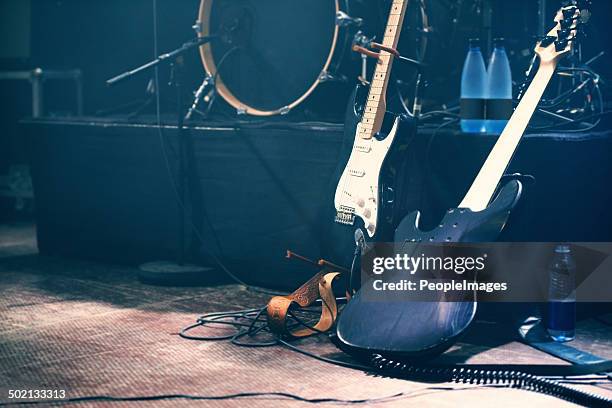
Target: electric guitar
x=414 y=330
x=364 y=194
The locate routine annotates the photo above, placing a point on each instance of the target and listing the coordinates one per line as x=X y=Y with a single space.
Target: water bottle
x=561 y=313
x=473 y=90
x=499 y=89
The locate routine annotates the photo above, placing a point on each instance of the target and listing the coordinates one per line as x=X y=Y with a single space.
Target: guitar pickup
x=357 y=173
x=345 y=218
x=346 y=215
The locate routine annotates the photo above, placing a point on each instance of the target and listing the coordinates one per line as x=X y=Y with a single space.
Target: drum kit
x=269 y=58
x=275 y=56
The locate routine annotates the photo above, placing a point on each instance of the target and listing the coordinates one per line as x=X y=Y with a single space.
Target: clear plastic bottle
x=473 y=90
x=499 y=89
x=561 y=313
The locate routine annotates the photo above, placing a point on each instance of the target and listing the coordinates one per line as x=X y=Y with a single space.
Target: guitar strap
x=317 y=287
x=532 y=333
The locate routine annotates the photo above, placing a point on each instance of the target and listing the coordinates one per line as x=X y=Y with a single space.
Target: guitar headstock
x=562 y=39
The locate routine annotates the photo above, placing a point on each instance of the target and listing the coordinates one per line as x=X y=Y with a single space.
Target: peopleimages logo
x=413 y=264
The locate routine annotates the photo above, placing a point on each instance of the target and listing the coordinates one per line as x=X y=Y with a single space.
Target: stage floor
x=93 y=329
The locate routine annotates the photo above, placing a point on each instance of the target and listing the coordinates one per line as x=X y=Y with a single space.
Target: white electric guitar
x=419 y=329
x=360 y=191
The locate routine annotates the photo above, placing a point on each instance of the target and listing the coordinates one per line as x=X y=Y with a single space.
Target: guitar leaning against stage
x=416 y=330
x=363 y=198
x=363 y=206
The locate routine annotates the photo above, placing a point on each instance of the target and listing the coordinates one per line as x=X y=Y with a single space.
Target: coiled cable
x=509 y=378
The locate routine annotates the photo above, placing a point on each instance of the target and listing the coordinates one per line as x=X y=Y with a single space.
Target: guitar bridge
x=345 y=216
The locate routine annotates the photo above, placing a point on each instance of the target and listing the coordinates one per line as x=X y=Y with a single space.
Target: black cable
x=333 y=361
x=513 y=379
x=242 y=395
x=247 y=323
x=558 y=125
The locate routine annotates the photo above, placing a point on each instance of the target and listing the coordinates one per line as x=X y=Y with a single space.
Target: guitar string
x=371 y=142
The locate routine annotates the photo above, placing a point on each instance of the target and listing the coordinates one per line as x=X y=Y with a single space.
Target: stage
x=295 y=203
x=106 y=189
x=92 y=329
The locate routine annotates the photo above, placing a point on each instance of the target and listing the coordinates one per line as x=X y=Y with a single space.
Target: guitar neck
x=481 y=192
x=376 y=106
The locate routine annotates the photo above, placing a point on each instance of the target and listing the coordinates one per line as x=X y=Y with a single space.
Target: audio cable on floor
x=251 y=323
x=508 y=378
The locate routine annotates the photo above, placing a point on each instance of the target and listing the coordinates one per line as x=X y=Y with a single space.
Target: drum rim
x=211 y=68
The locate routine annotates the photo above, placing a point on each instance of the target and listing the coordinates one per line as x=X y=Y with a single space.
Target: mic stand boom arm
x=163 y=58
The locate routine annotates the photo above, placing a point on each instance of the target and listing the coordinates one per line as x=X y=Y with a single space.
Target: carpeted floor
x=93 y=329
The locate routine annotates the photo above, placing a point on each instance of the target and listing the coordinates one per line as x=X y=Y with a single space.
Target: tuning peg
x=561 y=45
x=567 y=23
x=582 y=4
x=569 y=13
x=546 y=41
x=564 y=34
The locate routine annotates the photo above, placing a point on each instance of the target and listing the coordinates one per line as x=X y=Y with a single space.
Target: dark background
x=104 y=38
x=93 y=174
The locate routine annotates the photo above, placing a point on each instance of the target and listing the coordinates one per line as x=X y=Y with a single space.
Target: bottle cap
x=474 y=42
x=562 y=249
x=499 y=42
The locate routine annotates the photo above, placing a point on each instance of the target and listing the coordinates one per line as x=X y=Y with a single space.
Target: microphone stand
x=168 y=273
x=168 y=57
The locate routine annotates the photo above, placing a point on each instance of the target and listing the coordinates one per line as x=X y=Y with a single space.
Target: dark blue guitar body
x=422 y=329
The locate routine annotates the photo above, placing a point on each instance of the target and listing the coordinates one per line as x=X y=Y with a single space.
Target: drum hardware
x=373 y=54
x=344 y=20
x=168 y=57
x=322 y=68
x=363 y=40
x=209 y=99
x=417 y=106
x=420 y=84
x=197 y=27
x=326 y=76
x=360 y=39
x=318 y=72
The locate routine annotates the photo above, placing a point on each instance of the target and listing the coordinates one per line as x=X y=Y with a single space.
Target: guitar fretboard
x=375 y=108
x=485 y=184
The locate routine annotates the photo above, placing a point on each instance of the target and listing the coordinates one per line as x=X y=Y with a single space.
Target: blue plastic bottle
x=499 y=89
x=561 y=313
x=473 y=90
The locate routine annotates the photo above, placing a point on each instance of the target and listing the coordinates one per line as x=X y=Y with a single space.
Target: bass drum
x=272 y=55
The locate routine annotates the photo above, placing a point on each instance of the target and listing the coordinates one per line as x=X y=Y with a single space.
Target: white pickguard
x=357 y=193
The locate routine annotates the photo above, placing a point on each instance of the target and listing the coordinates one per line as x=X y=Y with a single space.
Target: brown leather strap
x=319 y=286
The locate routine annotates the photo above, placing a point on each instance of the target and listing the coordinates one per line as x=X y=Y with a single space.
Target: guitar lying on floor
x=417 y=330
x=364 y=190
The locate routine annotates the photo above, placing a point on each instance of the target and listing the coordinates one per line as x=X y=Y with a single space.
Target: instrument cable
x=512 y=379
x=242 y=395
x=538 y=378
x=383 y=365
